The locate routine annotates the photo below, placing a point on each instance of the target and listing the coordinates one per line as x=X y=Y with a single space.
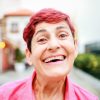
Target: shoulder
x=83 y=93
x=11 y=88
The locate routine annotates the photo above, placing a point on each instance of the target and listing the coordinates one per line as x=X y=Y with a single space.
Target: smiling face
x=52 y=49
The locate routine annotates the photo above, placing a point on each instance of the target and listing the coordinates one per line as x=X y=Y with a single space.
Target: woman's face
x=52 y=49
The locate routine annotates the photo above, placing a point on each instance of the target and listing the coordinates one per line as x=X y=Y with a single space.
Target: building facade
x=12 y=27
x=93 y=48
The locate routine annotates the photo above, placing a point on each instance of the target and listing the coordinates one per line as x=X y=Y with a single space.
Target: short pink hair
x=48 y=15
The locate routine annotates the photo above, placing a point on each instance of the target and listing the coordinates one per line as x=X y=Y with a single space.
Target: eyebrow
x=61 y=27
x=42 y=30
x=57 y=28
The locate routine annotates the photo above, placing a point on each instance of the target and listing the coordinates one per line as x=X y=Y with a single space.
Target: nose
x=53 y=45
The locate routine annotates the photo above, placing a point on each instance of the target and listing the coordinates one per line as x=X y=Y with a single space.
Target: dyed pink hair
x=45 y=15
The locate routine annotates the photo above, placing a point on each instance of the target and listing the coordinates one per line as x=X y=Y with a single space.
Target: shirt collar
x=30 y=93
x=69 y=89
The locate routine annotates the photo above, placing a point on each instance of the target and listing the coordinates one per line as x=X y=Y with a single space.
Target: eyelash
x=63 y=35
x=42 y=40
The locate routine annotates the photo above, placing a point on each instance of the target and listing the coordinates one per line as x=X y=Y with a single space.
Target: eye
x=63 y=35
x=42 y=40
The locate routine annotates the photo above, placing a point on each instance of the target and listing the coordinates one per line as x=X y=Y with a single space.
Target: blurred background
x=14 y=16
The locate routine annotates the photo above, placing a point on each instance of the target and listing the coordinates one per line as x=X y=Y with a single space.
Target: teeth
x=54 y=58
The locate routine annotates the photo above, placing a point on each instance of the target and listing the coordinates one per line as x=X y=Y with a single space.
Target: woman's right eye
x=42 y=40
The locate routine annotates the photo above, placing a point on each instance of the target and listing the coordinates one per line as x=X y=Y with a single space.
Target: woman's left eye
x=63 y=35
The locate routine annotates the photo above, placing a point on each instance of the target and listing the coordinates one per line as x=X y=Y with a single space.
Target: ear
x=28 y=56
x=76 y=48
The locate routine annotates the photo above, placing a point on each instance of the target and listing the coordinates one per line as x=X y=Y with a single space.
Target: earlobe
x=28 y=57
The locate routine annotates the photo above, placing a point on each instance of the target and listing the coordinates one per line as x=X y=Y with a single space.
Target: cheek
x=71 y=56
x=37 y=52
x=68 y=46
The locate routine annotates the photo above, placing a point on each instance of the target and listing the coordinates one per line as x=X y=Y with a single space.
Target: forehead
x=51 y=26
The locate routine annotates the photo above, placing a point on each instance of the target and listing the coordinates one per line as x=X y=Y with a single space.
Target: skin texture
x=51 y=41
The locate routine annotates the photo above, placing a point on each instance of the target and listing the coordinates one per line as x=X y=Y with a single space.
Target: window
x=14 y=27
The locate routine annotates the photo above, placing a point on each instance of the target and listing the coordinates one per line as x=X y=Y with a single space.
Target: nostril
x=53 y=47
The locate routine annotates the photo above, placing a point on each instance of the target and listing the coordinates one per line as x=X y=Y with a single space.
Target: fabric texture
x=22 y=90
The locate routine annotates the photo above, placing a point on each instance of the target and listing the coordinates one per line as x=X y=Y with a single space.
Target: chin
x=56 y=74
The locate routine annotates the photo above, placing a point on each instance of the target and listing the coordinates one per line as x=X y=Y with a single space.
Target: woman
x=51 y=49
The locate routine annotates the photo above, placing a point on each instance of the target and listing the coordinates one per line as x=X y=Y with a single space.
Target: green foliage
x=89 y=62
x=19 y=56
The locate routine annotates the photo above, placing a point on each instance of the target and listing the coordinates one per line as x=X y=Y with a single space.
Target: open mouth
x=54 y=59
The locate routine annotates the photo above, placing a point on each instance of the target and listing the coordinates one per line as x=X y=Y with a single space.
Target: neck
x=51 y=89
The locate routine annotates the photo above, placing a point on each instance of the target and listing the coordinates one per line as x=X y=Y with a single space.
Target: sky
x=85 y=13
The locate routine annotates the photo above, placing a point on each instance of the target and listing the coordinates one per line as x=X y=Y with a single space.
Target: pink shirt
x=22 y=90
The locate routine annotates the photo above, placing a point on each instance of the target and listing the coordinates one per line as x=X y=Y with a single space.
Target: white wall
x=8 y=5
x=88 y=22
x=16 y=38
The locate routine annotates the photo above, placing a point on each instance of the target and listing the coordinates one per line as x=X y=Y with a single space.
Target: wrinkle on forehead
x=43 y=27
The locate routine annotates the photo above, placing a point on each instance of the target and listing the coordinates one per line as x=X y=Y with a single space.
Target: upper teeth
x=53 y=58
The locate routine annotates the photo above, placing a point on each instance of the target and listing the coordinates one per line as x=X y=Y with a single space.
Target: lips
x=54 y=58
